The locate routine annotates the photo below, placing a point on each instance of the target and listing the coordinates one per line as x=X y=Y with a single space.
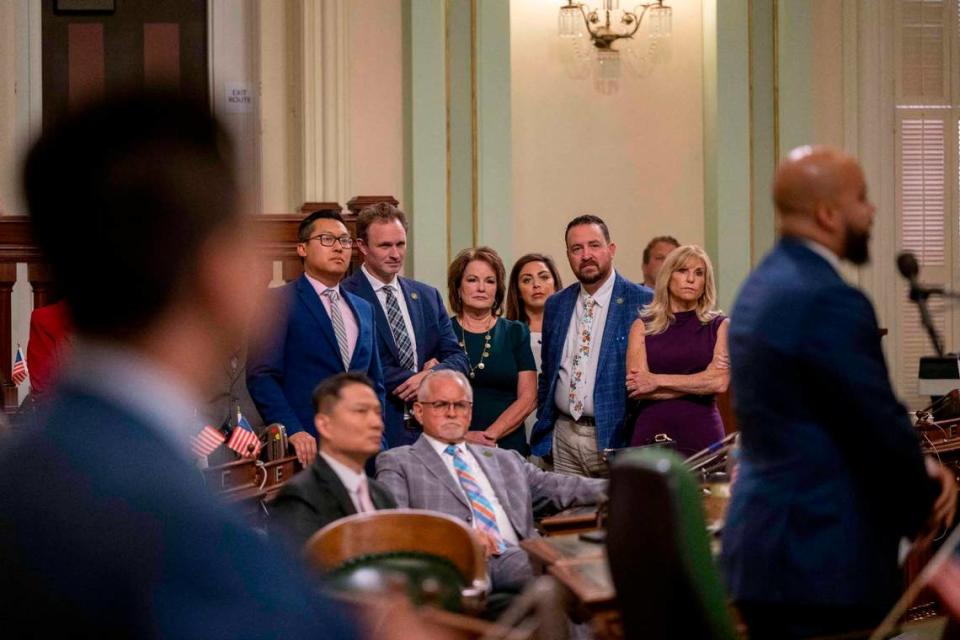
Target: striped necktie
x=399 y=329
x=336 y=317
x=485 y=519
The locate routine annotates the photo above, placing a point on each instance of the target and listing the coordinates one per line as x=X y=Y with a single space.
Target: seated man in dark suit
x=349 y=424
x=414 y=332
x=831 y=476
x=106 y=525
x=495 y=490
x=322 y=330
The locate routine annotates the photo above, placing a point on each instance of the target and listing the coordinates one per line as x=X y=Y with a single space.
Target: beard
x=856 y=247
x=601 y=273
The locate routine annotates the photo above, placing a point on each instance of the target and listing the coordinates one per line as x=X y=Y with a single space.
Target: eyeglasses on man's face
x=442 y=406
x=327 y=240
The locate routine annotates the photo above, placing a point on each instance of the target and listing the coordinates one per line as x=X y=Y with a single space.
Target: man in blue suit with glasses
x=323 y=330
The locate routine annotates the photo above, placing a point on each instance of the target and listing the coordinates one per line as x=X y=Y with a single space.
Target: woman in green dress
x=502 y=369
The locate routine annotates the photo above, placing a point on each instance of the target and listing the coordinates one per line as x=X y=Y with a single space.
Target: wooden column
x=8 y=277
x=41 y=281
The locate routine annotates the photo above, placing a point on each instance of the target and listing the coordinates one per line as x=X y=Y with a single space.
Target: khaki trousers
x=575 y=449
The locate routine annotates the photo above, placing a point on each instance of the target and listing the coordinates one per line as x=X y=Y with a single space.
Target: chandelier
x=587 y=37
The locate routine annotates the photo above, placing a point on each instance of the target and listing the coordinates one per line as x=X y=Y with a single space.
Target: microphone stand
x=919 y=295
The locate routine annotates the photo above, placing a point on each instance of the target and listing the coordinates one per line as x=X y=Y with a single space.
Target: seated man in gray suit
x=493 y=489
x=349 y=422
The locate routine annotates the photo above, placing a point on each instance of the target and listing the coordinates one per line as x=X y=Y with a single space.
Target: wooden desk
x=572 y=520
x=581 y=567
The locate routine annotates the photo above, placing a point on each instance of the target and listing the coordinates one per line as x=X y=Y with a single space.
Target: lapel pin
x=619 y=300
x=488 y=454
x=414 y=295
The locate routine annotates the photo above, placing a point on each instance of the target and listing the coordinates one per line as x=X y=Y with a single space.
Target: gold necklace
x=486 y=348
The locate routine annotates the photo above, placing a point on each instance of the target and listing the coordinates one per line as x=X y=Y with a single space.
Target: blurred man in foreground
x=106 y=526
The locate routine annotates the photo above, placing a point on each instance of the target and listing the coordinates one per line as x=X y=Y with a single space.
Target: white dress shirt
x=561 y=396
x=823 y=252
x=378 y=288
x=139 y=384
x=351 y=479
x=503 y=522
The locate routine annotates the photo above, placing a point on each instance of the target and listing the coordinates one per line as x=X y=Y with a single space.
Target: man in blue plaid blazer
x=582 y=394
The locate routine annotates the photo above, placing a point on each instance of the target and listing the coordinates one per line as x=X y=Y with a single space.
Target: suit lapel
x=362 y=329
x=326 y=476
x=365 y=291
x=560 y=323
x=416 y=318
x=308 y=296
x=431 y=460
x=615 y=317
x=488 y=462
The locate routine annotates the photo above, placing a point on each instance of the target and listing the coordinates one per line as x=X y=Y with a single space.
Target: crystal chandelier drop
x=588 y=34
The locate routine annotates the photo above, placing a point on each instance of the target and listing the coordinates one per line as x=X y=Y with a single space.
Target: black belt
x=584 y=421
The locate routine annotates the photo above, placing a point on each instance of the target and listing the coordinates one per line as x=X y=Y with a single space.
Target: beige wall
x=634 y=158
x=372 y=120
x=376 y=98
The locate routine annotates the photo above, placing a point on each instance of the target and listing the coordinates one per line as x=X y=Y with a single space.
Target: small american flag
x=205 y=442
x=19 y=373
x=243 y=440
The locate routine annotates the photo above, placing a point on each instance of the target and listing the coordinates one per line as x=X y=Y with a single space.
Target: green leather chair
x=666 y=581
x=433 y=557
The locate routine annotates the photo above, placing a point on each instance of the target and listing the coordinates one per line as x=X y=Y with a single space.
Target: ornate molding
x=325 y=69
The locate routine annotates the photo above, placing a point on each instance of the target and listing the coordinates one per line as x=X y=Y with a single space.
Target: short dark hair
x=515 y=307
x=654 y=242
x=130 y=189
x=587 y=219
x=459 y=266
x=380 y=212
x=306 y=225
x=327 y=393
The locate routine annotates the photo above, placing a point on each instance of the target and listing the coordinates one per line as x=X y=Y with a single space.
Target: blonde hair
x=657 y=316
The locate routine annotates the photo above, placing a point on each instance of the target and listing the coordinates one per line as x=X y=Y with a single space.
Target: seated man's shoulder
x=394 y=455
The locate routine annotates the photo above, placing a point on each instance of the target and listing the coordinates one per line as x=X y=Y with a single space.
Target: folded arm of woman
x=641 y=384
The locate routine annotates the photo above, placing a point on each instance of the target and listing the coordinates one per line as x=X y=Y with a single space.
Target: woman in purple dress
x=677 y=356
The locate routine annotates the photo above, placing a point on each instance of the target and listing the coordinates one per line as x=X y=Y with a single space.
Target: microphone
x=908 y=266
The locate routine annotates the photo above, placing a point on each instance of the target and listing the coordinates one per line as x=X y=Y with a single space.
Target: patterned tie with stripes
x=484 y=516
x=399 y=329
x=336 y=317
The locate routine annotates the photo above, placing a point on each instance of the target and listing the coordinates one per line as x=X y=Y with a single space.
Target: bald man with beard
x=831 y=476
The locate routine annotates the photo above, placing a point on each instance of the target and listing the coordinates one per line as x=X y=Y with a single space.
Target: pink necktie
x=363 y=497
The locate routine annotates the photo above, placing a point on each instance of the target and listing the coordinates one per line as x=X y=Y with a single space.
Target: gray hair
x=424 y=390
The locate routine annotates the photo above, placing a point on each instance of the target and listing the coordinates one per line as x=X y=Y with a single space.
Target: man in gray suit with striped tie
x=493 y=489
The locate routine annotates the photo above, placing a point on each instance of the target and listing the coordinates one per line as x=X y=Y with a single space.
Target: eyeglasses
x=442 y=406
x=327 y=240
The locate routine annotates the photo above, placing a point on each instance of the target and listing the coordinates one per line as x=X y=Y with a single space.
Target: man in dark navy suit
x=831 y=476
x=414 y=332
x=107 y=529
x=323 y=330
x=582 y=395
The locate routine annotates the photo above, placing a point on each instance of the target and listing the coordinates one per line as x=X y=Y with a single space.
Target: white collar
x=440 y=446
x=602 y=295
x=378 y=284
x=351 y=479
x=319 y=286
x=137 y=383
x=823 y=252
